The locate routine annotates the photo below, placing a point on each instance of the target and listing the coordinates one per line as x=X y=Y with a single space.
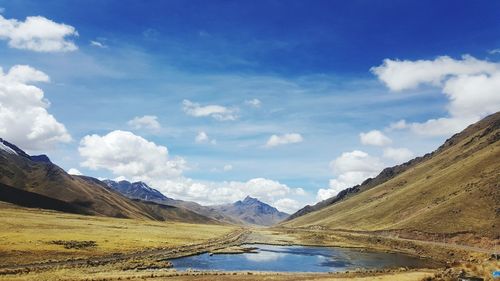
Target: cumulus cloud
x=287 y=205
x=75 y=172
x=350 y=168
x=401 y=75
x=149 y=122
x=132 y=157
x=471 y=86
x=126 y=154
x=374 y=137
x=37 y=34
x=276 y=140
x=227 y=167
x=399 y=155
x=24 y=119
x=253 y=103
x=218 y=112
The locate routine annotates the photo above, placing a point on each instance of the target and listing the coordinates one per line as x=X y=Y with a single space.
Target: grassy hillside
x=33 y=235
x=456 y=190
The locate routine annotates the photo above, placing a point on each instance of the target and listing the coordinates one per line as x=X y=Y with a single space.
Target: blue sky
x=307 y=63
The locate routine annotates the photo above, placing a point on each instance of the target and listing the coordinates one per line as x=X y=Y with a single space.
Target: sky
x=210 y=101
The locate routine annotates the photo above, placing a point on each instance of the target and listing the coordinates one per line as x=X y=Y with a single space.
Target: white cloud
x=24 y=119
x=211 y=193
x=494 y=51
x=300 y=191
x=132 y=157
x=75 y=172
x=472 y=87
x=37 y=34
x=217 y=112
x=149 y=122
x=254 y=103
x=401 y=75
x=287 y=205
x=97 y=44
x=350 y=168
x=276 y=140
x=399 y=125
x=227 y=167
x=400 y=155
x=129 y=155
x=374 y=137
x=202 y=137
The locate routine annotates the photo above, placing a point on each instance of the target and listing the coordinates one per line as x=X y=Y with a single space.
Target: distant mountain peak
x=136 y=190
x=249 y=198
x=253 y=211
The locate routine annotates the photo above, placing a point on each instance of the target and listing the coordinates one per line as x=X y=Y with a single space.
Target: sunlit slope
x=457 y=189
x=28 y=235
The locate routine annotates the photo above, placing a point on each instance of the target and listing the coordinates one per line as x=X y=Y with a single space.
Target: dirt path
x=234 y=238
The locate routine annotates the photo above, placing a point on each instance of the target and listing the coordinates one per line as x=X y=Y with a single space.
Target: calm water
x=298 y=259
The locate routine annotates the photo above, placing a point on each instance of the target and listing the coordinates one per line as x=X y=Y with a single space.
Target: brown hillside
x=454 y=190
x=42 y=184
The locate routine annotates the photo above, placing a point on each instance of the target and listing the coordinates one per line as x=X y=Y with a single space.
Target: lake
x=299 y=259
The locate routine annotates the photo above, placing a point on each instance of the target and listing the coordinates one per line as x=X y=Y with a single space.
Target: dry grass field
x=34 y=235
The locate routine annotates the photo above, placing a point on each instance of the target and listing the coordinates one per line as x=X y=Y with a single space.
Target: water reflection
x=298 y=259
x=264 y=256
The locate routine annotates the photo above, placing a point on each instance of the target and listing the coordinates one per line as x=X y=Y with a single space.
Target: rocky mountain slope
x=453 y=191
x=33 y=181
x=252 y=211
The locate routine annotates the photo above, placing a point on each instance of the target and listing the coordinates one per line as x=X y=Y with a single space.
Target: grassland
x=33 y=235
x=53 y=240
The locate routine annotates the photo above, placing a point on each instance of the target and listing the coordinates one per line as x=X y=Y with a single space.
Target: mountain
x=453 y=190
x=136 y=190
x=140 y=190
x=34 y=181
x=252 y=211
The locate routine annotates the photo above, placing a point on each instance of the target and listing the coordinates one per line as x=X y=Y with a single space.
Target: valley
x=138 y=249
x=439 y=212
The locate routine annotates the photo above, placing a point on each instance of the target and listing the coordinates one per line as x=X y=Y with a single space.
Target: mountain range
x=36 y=182
x=250 y=211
